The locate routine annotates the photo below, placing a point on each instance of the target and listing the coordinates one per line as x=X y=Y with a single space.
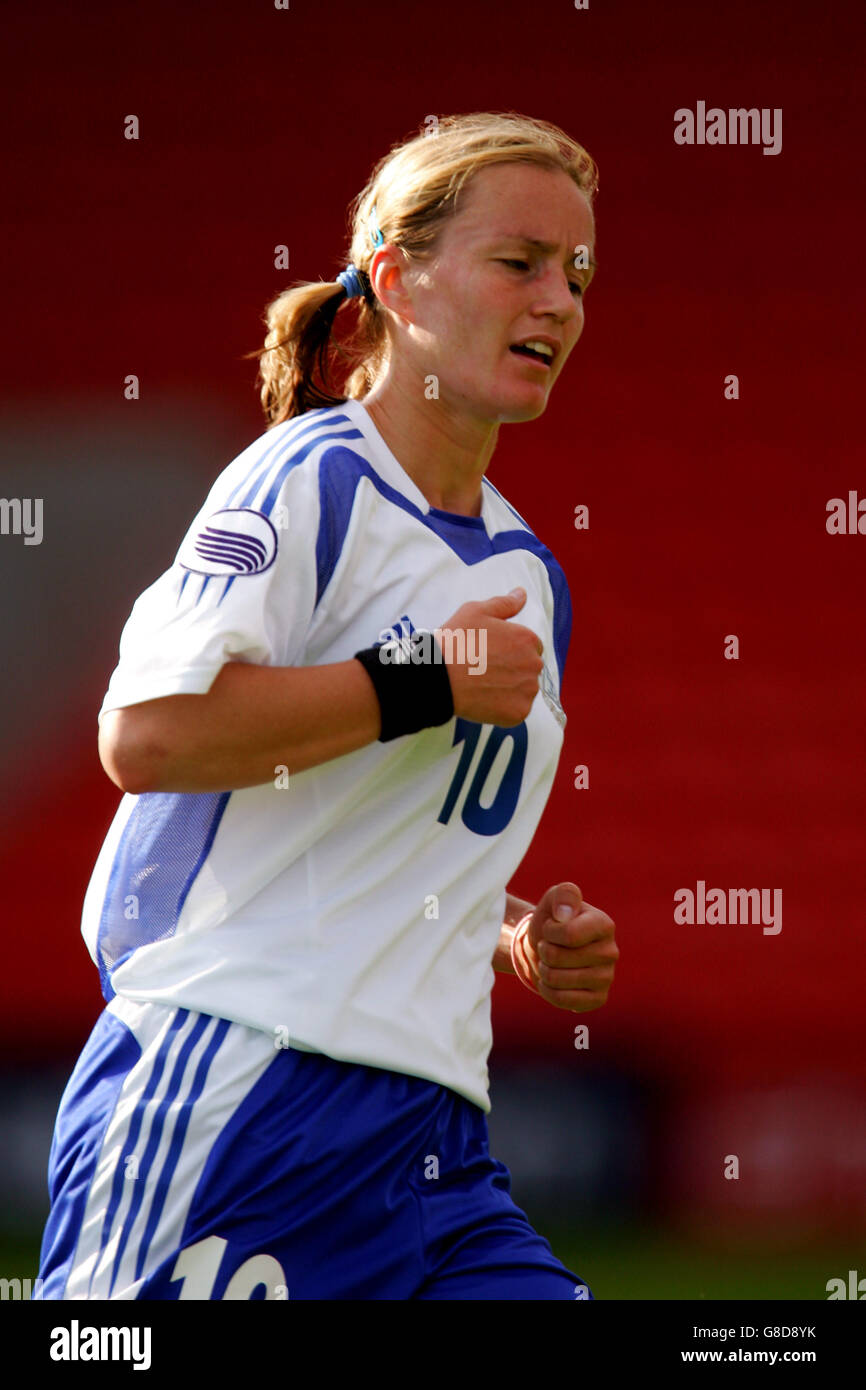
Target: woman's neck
x=444 y=454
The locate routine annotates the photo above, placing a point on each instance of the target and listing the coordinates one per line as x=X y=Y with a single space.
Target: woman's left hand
x=569 y=957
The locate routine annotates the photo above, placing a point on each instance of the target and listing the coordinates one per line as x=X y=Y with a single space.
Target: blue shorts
x=194 y=1159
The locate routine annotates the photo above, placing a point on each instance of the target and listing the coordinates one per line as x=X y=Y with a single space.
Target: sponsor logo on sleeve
x=234 y=540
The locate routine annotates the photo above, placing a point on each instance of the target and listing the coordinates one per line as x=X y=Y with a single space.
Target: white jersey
x=354 y=908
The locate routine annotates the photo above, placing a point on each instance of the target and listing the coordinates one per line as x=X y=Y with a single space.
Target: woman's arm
x=255 y=719
x=251 y=721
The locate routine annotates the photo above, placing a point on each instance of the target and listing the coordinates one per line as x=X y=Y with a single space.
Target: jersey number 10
x=486 y=820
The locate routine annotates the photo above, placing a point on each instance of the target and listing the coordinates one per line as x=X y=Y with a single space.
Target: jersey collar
x=389 y=467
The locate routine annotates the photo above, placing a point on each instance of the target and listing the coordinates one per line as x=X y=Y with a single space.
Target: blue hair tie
x=352 y=282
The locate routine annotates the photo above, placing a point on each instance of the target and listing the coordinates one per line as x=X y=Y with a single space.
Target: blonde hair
x=414 y=190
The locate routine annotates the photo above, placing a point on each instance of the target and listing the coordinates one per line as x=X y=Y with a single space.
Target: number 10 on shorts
x=198 y=1266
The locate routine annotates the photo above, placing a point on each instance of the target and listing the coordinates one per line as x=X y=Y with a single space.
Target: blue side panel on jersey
x=340 y=472
x=88 y=1102
x=164 y=843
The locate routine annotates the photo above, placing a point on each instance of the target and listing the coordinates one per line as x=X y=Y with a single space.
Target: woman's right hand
x=500 y=685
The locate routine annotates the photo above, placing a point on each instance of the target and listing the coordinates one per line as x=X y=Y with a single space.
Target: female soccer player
x=336 y=721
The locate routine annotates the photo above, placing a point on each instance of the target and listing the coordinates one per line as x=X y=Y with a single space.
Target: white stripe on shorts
x=123 y=1165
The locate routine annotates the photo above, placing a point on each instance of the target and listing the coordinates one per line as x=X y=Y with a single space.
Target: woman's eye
x=524 y=265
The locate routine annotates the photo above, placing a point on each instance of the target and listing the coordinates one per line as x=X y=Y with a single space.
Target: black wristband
x=411 y=683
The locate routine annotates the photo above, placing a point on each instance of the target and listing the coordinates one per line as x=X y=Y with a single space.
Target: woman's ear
x=389 y=281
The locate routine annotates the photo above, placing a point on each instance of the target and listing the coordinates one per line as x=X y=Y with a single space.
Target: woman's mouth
x=535 y=350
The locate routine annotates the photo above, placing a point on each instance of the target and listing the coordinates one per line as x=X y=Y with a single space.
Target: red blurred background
x=707 y=516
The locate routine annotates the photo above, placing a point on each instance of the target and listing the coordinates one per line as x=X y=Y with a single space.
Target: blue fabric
x=360 y=1183
x=164 y=843
x=85 y=1110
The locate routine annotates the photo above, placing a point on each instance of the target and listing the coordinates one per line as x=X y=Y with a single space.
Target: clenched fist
x=566 y=951
x=504 y=692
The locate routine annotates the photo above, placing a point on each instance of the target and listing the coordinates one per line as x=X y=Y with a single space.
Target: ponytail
x=301 y=354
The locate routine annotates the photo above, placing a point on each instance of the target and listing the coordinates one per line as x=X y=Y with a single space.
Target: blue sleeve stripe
x=298 y=456
x=297 y=429
x=298 y=445
x=315 y=436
